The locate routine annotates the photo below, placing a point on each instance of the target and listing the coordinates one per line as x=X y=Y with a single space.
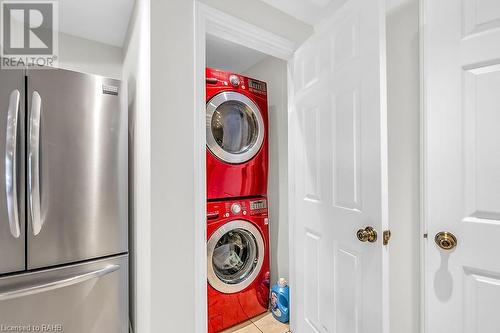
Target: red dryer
x=237 y=261
x=237 y=135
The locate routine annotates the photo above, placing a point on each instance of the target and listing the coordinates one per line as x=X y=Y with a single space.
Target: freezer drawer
x=83 y=298
x=77 y=167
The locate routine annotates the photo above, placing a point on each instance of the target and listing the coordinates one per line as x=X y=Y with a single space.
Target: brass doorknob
x=367 y=234
x=446 y=240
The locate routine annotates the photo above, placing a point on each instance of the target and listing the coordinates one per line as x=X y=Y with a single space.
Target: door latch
x=386 y=237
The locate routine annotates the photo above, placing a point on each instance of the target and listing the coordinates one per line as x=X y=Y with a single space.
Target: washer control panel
x=243 y=207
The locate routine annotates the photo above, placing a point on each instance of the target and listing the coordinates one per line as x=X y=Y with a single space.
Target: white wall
x=84 y=55
x=274 y=72
x=404 y=161
x=136 y=71
x=175 y=172
x=223 y=54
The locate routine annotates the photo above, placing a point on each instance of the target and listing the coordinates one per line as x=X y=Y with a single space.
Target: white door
x=338 y=152
x=462 y=165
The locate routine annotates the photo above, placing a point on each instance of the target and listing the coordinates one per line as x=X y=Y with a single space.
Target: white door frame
x=423 y=236
x=214 y=22
x=423 y=153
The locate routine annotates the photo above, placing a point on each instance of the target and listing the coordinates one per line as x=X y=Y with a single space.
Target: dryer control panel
x=231 y=208
x=215 y=77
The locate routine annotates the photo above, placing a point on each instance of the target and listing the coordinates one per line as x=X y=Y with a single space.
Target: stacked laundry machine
x=237 y=212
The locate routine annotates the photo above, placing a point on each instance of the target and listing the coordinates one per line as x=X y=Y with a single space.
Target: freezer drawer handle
x=52 y=285
x=34 y=163
x=10 y=164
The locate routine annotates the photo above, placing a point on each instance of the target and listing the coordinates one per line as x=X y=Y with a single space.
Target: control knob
x=236 y=208
x=235 y=80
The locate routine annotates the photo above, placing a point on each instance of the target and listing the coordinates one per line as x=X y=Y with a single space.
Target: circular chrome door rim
x=214 y=147
x=213 y=279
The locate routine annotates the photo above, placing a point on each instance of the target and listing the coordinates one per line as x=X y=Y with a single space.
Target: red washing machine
x=237 y=135
x=237 y=261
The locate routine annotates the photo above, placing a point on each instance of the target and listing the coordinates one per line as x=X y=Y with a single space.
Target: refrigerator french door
x=12 y=226
x=64 y=207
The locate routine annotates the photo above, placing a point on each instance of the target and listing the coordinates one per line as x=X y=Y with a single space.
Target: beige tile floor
x=264 y=323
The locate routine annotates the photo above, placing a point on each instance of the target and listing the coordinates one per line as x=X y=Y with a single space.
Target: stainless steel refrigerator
x=63 y=202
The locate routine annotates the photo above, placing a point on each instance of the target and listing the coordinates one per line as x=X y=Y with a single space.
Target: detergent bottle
x=280 y=295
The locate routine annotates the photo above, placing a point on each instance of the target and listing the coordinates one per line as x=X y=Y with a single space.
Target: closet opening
x=247 y=180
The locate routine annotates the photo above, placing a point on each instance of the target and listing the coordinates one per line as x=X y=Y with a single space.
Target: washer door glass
x=235 y=127
x=235 y=256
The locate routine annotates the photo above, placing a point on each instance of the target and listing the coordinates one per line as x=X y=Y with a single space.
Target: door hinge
x=386 y=237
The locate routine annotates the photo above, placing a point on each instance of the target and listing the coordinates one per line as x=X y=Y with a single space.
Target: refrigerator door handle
x=57 y=283
x=34 y=163
x=10 y=163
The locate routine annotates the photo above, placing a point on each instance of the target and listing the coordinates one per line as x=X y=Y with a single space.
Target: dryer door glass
x=235 y=256
x=235 y=127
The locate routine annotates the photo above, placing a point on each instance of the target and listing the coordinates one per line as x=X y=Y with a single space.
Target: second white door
x=462 y=166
